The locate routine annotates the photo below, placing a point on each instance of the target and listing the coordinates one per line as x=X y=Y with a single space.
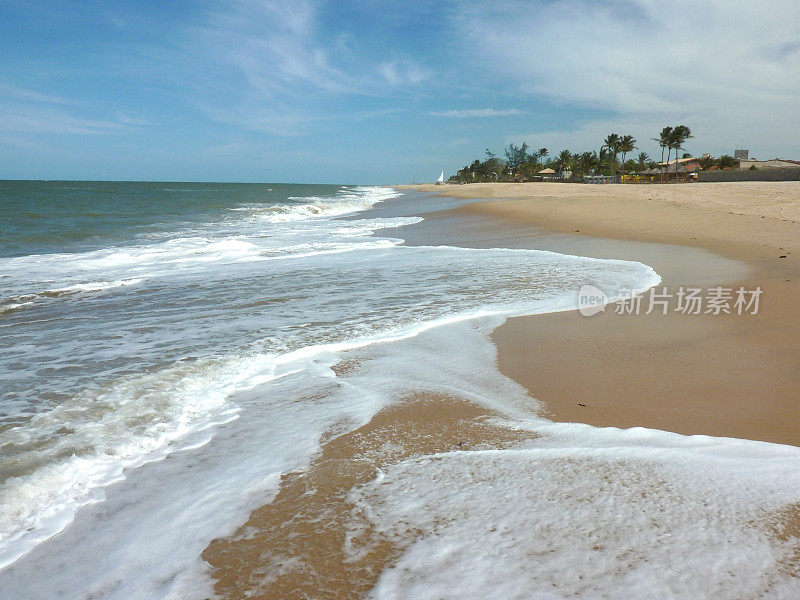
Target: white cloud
x=399 y=73
x=269 y=65
x=46 y=121
x=477 y=112
x=727 y=68
x=272 y=45
x=29 y=111
x=21 y=94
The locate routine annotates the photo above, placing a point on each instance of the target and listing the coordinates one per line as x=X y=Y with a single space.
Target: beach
x=702 y=375
x=244 y=357
x=367 y=392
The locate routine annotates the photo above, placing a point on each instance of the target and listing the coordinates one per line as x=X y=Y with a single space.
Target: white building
x=775 y=163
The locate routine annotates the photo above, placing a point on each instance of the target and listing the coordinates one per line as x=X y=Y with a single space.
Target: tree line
x=522 y=163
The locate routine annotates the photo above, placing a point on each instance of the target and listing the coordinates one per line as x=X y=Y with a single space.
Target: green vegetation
x=524 y=164
x=726 y=161
x=676 y=140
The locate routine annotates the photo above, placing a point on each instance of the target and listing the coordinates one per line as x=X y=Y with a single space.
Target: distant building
x=741 y=154
x=775 y=163
x=688 y=165
x=597 y=178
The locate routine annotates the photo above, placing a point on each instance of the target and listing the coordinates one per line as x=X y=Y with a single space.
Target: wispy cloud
x=268 y=65
x=475 y=113
x=25 y=119
x=12 y=92
x=271 y=45
x=711 y=63
x=33 y=112
x=401 y=73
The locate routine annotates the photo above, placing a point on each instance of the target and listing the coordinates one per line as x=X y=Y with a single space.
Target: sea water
x=167 y=354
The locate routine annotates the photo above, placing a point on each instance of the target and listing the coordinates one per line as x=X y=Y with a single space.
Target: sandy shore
x=724 y=375
x=728 y=375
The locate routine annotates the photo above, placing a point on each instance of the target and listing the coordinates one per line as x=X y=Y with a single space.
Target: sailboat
x=440 y=181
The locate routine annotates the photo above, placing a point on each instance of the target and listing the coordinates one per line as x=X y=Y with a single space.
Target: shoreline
x=722 y=375
x=303 y=540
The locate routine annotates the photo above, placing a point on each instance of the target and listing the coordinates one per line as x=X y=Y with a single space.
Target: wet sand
x=298 y=546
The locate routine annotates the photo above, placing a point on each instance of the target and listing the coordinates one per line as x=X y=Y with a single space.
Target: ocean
x=168 y=353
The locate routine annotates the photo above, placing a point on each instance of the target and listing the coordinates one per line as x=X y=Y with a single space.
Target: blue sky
x=380 y=92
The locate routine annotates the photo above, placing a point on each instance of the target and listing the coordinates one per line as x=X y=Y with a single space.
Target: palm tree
x=642 y=159
x=612 y=143
x=542 y=152
x=626 y=144
x=663 y=140
x=604 y=156
x=586 y=162
x=679 y=135
x=563 y=161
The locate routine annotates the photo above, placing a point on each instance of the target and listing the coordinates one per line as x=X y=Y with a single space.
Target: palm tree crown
x=677 y=137
x=564 y=160
x=663 y=140
x=586 y=162
x=626 y=144
x=612 y=144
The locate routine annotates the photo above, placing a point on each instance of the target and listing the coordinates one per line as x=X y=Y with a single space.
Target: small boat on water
x=440 y=181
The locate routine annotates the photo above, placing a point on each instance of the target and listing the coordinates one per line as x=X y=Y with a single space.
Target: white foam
x=146 y=417
x=549 y=502
x=95 y=286
x=6 y=308
x=347 y=201
x=581 y=522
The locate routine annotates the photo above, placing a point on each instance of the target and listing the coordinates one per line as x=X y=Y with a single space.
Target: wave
x=12 y=303
x=12 y=306
x=243 y=239
x=346 y=201
x=143 y=418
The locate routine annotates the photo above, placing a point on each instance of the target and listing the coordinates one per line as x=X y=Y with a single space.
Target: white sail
x=441 y=178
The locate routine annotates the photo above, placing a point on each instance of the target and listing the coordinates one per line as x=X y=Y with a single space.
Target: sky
x=372 y=92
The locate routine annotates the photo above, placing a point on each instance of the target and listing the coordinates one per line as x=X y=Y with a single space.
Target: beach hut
x=547 y=174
